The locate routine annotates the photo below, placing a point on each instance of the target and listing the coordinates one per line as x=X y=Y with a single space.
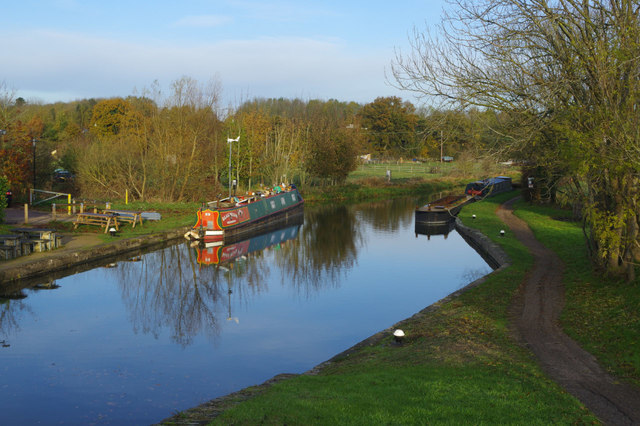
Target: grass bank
x=459 y=364
x=602 y=314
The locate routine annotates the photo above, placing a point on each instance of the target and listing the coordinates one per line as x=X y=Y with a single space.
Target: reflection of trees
x=327 y=246
x=169 y=289
x=164 y=290
x=387 y=215
x=10 y=315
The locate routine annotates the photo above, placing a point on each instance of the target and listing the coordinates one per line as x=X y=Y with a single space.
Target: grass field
x=403 y=171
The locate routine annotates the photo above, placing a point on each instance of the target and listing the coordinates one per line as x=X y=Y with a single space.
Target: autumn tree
x=390 y=124
x=567 y=72
x=156 y=149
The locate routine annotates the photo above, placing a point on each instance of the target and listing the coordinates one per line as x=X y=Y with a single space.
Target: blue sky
x=62 y=50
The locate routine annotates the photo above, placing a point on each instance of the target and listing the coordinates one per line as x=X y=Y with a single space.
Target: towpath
x=15 y=216
x=538 y=309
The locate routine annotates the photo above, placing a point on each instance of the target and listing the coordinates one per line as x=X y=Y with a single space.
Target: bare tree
x=567 y=72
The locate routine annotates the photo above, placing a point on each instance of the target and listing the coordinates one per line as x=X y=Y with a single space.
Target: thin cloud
x=281 y=11
x=264 y=67
x=203 y=21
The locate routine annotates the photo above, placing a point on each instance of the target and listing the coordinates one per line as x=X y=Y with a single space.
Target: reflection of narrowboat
x=489 y=187
x=217 y=252
x=430 y=229
x=443 y=210
x=239 y=215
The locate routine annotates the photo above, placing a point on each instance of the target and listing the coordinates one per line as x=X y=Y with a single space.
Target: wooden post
x=73 y=209
x=53 y=211
x=26 y=213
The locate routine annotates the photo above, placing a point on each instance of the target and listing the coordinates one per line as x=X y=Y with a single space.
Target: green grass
x=408 y=170
x=174 y=215
x=459 y=365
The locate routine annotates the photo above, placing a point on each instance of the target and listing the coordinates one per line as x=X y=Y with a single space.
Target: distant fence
x=34 y=194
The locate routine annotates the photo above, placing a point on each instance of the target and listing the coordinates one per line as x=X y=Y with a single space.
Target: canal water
x=139 y=339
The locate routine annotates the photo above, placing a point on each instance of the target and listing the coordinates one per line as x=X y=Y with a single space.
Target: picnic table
x=102 y=219
x=126 y=216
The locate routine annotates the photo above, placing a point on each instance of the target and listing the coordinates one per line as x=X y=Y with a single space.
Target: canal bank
x=79 y=252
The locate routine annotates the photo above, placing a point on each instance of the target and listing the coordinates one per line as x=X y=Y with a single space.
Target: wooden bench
x=36 y=233
x=126 y=216
x=100 y=219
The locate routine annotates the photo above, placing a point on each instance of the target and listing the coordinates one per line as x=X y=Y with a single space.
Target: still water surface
x=134 y=343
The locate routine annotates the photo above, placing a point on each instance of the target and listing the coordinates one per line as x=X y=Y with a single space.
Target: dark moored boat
x=443 y=210
x=489 y=187
x=242 y=215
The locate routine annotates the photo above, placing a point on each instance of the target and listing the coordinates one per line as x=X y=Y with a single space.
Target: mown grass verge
x=174 y=215
x=602 y=314
x=459 y=364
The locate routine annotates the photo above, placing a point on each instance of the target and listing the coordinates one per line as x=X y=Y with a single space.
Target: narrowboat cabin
x=489 y=187
x=242 y=215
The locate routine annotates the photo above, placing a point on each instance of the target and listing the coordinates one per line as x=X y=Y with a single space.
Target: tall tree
x=391 y=126
x=570 y=66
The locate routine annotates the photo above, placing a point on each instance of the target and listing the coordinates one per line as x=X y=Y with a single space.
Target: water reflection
x=429 y=229
x=388 y=215
x=182 y=324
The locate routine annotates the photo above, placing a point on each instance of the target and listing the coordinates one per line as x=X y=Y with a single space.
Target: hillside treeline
x=175 y=147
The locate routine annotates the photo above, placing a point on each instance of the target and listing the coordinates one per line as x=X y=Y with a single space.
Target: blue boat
x=489 y=187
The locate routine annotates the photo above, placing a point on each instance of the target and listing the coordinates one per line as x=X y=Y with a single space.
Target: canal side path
x=538 y=307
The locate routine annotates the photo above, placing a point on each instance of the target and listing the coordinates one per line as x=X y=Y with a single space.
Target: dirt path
x=538 y=310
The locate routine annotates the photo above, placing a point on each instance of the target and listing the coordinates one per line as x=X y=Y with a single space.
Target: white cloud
x=53 y=63
x=203 y=21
